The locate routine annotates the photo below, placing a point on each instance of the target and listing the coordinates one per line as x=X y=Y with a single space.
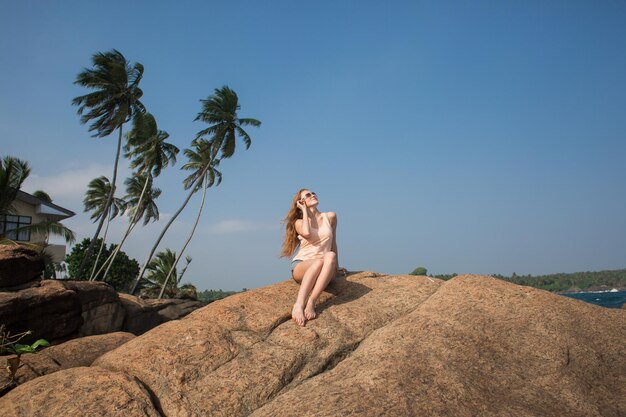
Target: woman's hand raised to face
x=302 y=204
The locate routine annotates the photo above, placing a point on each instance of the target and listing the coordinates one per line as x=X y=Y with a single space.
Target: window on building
x=9 y=224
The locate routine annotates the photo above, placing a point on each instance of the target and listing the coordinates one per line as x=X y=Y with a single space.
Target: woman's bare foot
x=309 y=311
x=297 y=314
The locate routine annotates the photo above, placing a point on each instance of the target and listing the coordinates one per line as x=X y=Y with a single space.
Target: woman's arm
x=302 y=225
x=333 y=222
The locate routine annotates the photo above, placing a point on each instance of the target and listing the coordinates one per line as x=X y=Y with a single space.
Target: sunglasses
x=307 y=195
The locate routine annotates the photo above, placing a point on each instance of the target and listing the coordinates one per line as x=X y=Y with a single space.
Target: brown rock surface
x=143 y=315
x=19 y=265
x=50 y=311
x=100 y=304
x=80 y=392
x=479 y=347
x=74 y=353
x=381 y=346
x=234 y=355
x=60 y=309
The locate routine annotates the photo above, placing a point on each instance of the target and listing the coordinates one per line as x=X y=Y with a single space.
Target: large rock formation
x=100 y=306
x=74 y=353
x=381 y=345
x=50 y=311
x=59 y=310
x=20 y=267
x=82 y=392
x=142 y=315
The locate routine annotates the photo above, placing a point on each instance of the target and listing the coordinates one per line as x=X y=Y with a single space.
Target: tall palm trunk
x=93 y=276
x=167 y=226
x=130 y=228
x=89 y=250
x=193 y=230
x=180 y=277
x=109 y=261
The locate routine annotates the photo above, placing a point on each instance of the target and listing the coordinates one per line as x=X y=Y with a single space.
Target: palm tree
x=13 y=173
x=149 y=154
x=203 y=163
x=204 y=155
x=188 y=260
x=147 y=148
x=159 y=268
x=42 y=195
x=114 y=101
x=220 y=111
x=96 y=199
x=140 y=204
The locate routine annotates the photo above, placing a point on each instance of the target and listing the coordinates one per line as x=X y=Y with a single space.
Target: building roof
x=44 y=207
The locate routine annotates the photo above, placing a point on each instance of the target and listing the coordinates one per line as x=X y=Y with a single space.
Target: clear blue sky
x=468 y=137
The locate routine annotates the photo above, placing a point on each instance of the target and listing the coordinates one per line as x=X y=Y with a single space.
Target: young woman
x=316 y=262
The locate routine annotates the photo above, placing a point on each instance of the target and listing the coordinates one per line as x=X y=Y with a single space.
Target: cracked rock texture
x=81 y=392
x=74 y=353
x=381 y=346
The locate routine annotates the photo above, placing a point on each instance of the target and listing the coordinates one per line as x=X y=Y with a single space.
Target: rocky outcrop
x=82 y=392
x=50 y=311
x=101 y=309
x=143 y=315
x=381 y=345
x=74 y=353
x=479 y=347
x=59 y=310
x=20 y=267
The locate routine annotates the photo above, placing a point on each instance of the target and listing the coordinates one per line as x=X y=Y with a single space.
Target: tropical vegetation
x=214 y=295
x=562 y=282
x=420 y=270
x=577 y=281
x=9 y=345
x=212 y=144
x=113 y=101
x=163 y=278
x=97 y=200
x=123 y=270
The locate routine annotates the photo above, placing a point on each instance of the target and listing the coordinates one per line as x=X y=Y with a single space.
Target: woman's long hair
x=291 y=235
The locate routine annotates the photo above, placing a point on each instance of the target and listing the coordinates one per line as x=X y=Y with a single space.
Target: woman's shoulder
x=331 y=215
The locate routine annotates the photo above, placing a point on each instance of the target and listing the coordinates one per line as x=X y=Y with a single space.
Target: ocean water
x=604 y=299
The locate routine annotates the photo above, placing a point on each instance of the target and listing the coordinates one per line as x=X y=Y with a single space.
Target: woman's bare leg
x=306 y=274
x=326 y=274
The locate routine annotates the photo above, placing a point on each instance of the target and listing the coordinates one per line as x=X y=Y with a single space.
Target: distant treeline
x=577 y=281
x=214 y=295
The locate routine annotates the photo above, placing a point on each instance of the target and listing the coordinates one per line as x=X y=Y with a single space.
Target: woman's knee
x=317 y=265
x=330 y=257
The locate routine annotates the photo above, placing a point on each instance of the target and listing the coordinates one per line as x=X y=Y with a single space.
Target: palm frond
x=49 y=228
x=116 y=94
x=13 y=173
x=147 y=146
x=97 y=196
x=142 y=203
x=220 y=112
